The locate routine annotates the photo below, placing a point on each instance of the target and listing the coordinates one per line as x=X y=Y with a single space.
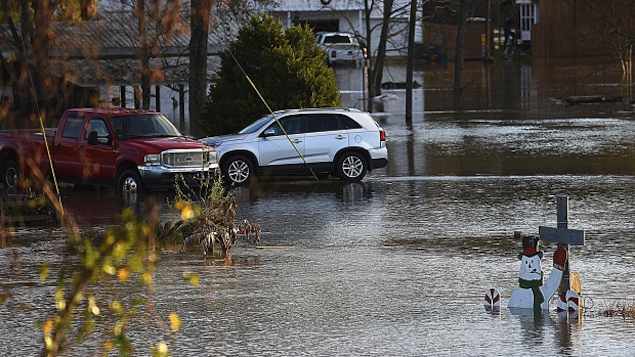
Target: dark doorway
x=332 y=25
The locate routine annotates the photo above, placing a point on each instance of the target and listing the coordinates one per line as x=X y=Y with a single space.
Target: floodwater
x=398 y=264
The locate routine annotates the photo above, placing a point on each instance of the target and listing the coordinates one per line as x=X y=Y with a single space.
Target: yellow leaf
x=175 y=322
x=92 y=306
x=60 y=303
x=116 y=307
x=109 y=269
x=161 y=349
x=122 y=274
x=147 y=278
x=117 y=330
x=47 y=327
x=193 y=279
x=44 y=272
x=187 y=213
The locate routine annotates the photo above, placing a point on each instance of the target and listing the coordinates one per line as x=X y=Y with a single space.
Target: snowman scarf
x=534 y=285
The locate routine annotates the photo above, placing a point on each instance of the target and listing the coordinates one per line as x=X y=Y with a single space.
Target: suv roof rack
x=299 y=110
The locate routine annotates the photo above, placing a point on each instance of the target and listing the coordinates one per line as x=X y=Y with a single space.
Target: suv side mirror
x=270 y=132
x=92 y=138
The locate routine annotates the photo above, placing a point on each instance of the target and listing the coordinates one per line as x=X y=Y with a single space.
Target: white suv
x=346 y=143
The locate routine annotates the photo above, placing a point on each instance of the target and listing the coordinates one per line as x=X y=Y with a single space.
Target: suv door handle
x=296 y=141
x=340 y=137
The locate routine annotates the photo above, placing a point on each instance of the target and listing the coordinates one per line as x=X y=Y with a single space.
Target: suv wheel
x=352 y=167
x=11 y=175
x=238 y=170
x=129 y=183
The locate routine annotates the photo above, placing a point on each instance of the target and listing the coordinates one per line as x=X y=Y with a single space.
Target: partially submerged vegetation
x=208 y=220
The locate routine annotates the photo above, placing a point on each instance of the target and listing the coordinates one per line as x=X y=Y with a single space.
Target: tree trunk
x=459 y=49
x=88 y=9
x=40 y=44
x=369 y=61
x=144 y=54
x=199 y=29
x=378 y=70
x=411 y=61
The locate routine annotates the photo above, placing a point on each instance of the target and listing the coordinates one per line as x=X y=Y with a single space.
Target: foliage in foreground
x=287 y=67
x=127 y=256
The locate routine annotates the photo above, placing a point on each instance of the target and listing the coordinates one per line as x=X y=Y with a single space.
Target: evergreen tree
x=287 y=66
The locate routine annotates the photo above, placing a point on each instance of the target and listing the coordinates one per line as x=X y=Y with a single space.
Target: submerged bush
x=208 y=220
x=287 y=66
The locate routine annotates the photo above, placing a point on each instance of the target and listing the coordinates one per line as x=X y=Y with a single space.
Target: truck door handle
x=340 y=137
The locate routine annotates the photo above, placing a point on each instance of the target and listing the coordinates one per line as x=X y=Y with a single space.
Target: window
x=73 y=127
x=321 y=122
x=144 y=126
x=255 y=126
x=347 y=123
x=317 y=123
x=337 y=39
x=293 y=124
x=99 y=126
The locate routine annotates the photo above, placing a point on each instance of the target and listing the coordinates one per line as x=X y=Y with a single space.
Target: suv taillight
x=382 y=135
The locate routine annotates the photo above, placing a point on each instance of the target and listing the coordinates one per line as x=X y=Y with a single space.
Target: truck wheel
x=238 y=170
x=352 y=167
x=129 y=183
x=11 y=175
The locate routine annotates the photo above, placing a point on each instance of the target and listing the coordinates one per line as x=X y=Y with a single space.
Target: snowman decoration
x=533 y=292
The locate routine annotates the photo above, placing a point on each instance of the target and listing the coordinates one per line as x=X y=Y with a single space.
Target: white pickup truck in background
x=340 y=47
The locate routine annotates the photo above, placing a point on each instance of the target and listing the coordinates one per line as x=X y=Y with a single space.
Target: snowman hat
x=531 y=247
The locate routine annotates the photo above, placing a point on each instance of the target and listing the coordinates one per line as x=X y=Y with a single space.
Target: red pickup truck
x=134 y=150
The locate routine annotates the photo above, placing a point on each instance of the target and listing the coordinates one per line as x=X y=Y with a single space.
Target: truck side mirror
x=92 y=138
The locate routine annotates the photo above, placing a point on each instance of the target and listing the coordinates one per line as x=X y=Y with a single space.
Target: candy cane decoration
x=493 y=300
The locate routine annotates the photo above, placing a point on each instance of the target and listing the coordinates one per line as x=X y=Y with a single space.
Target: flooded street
x=396 y=265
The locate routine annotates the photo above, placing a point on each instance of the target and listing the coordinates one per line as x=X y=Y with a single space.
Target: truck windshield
x=143 y=126
x=255 y=126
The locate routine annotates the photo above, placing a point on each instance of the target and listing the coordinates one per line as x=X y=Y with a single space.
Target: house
x=348 y=16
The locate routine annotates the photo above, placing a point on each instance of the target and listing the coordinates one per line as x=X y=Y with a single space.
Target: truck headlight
x=152 y=160
x=210 y=157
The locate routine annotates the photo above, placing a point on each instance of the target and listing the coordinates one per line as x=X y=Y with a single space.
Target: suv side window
x=317 y=123
x=293 y=124
x=103 y=134
x=72 y=127
x=347 y=123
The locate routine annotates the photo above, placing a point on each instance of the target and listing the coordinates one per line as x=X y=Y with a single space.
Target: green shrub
x=287 y=67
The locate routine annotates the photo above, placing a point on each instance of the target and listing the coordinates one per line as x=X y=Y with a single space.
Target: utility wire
x=286 y=134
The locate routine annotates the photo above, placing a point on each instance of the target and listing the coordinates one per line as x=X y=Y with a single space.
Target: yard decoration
x=533 y=292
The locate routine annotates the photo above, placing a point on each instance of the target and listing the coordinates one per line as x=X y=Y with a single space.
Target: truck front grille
x=186 y=159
